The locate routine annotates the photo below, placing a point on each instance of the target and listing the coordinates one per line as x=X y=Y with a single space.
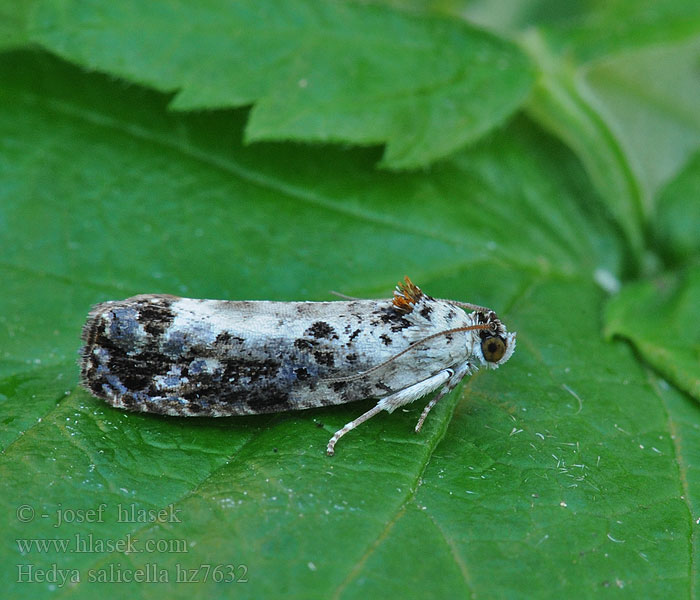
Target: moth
x=186 y=357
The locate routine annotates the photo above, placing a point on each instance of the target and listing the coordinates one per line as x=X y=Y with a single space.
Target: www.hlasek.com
x=88 y=543
x=165 y=569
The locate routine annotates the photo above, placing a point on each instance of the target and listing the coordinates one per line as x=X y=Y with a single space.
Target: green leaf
x=628 y=119
x=315 y=71
x=621 y=26
x=616 y=81
x=13 y=23
x=567 y=471
x=586 y=30
x=661 y=319
x=648 y=98
x=677 y=219
x=561 y=484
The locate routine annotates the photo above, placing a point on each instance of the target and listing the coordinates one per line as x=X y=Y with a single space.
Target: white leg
x=458 y=375
x=330 y=450
x=392 y=402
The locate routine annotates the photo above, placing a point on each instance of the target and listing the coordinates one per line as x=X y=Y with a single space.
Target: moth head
x=496 y=345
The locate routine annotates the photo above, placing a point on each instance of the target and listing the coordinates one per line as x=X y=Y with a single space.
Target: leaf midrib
x=269 y=183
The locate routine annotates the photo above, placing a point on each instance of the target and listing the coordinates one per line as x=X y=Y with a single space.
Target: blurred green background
x=540 y=158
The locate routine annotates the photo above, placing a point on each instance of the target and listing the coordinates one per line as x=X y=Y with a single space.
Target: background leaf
x=588 y=30
x=677 y=217
x=13 y=23
x=328 y=71
x=662 y=319
x=617 y=83
x=570 y=471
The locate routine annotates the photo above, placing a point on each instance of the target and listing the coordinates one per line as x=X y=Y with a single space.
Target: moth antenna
x=466 y=305
x=345 y=296
x=411 y=347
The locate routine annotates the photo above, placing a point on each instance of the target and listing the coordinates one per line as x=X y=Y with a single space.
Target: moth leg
x=330 y=450
x=392 y=402
x=457 y=376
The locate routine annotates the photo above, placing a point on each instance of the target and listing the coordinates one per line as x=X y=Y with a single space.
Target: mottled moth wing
x=189 y=357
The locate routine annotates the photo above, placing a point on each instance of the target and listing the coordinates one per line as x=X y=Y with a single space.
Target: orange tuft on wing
x=407 y=294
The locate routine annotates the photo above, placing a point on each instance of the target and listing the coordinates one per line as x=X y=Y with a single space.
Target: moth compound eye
x=493 y=348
